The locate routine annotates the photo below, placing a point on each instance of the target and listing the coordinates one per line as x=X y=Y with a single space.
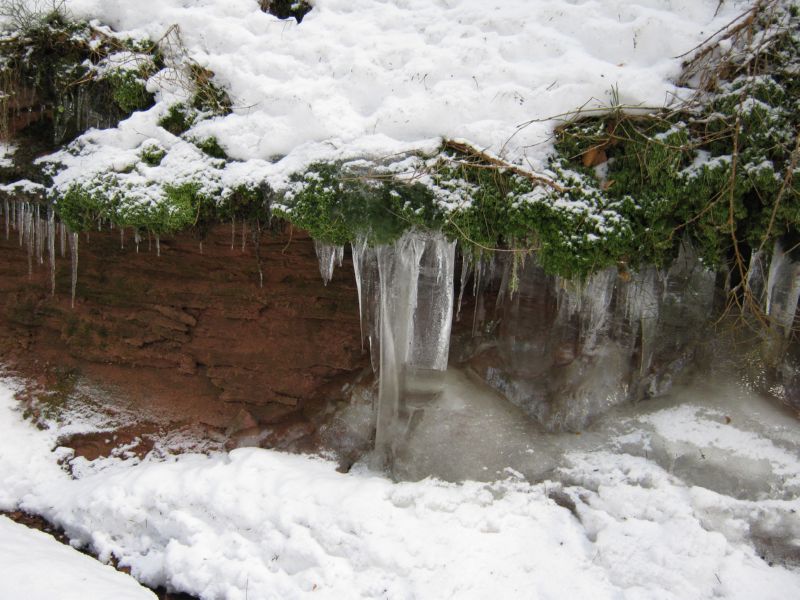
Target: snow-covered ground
x=35 y=566
x=375 y=78
x=610 y=521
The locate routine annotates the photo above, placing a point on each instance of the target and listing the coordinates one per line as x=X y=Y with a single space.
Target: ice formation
x=783 y=291
x=73 y=252
x=406 y=298
x=570 y=349
x=329 y=256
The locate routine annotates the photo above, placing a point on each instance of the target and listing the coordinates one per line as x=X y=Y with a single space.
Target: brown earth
x=189 y=337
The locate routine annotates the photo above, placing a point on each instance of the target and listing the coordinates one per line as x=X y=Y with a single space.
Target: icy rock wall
x=570 y=350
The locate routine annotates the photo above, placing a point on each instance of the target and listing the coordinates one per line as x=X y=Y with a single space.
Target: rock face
x=190 y=335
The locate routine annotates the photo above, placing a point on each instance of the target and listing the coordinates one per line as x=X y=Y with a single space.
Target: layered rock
x=189 y=334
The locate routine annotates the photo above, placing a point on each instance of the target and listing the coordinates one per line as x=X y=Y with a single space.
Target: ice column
x=328 y=256
x=30 y=238
x=642 y=305
x=51 y=248
x=783 y=291
x=365 y=267
x=73 y=249
x=415 y=313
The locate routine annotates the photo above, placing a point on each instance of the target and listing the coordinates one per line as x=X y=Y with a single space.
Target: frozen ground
x=624 y=512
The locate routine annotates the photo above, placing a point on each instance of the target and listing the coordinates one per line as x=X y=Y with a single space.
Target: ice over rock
x=564 y=351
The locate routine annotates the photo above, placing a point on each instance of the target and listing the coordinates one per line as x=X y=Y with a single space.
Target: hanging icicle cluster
x=37 y=228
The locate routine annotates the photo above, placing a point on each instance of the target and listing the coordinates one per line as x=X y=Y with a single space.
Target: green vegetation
x=622 y=189
x=211 y=147
x=208 y=98
x=74 y=70
x=152 y=154
x=128 y=90
x=179 y=119
x=719 y=169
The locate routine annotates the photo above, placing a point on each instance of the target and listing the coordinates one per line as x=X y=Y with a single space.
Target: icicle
x=158 y=245
x=478 y=287
x=339 y=255
x=756 y=279
x=137 y=239
x=365 y=267
x=642 y=308
x=14 y=214
x=201 y=249
x=327 y=254
x=596 y=298
x=73 y=250
x=21 y=222
x=244 y=234
x=783 y=290
x=40 y=234
x=5 y=213
x=62 y=231
x=416 y=310
x=51 y=248
x=465 y=273
x=30 y=238
x=122 y=238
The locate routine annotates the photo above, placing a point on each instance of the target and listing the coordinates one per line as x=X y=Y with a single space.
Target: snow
x=260 y=524
x=35 y=566
x=374 y=79
x=7 y=155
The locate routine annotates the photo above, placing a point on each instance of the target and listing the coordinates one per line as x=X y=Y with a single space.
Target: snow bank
x=370 y=78
x=35 y=566
x=258 y=524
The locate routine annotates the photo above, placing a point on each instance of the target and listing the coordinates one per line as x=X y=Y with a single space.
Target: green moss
x=129 y=91
x=179 y=119
x=335 y=205
x=152 y=154
x=208 y=96
x=211 y=147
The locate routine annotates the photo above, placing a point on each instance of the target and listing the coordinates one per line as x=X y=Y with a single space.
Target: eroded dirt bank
x=189 y=337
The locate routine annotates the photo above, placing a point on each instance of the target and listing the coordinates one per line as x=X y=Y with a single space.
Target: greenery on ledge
x=622 y=188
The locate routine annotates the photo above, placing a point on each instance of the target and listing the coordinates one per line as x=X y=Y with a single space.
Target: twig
x=498 y=163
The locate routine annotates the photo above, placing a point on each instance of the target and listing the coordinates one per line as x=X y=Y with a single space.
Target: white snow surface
x=34 y=566
x=257 y=524
x=374 y=78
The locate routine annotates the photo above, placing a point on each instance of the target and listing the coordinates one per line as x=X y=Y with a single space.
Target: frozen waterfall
x=406 y=302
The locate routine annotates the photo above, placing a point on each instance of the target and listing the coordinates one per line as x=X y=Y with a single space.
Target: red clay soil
x=187 y=337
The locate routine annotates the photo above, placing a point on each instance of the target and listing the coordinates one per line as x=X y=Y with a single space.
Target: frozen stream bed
x=692 y=497
x=714 y=435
